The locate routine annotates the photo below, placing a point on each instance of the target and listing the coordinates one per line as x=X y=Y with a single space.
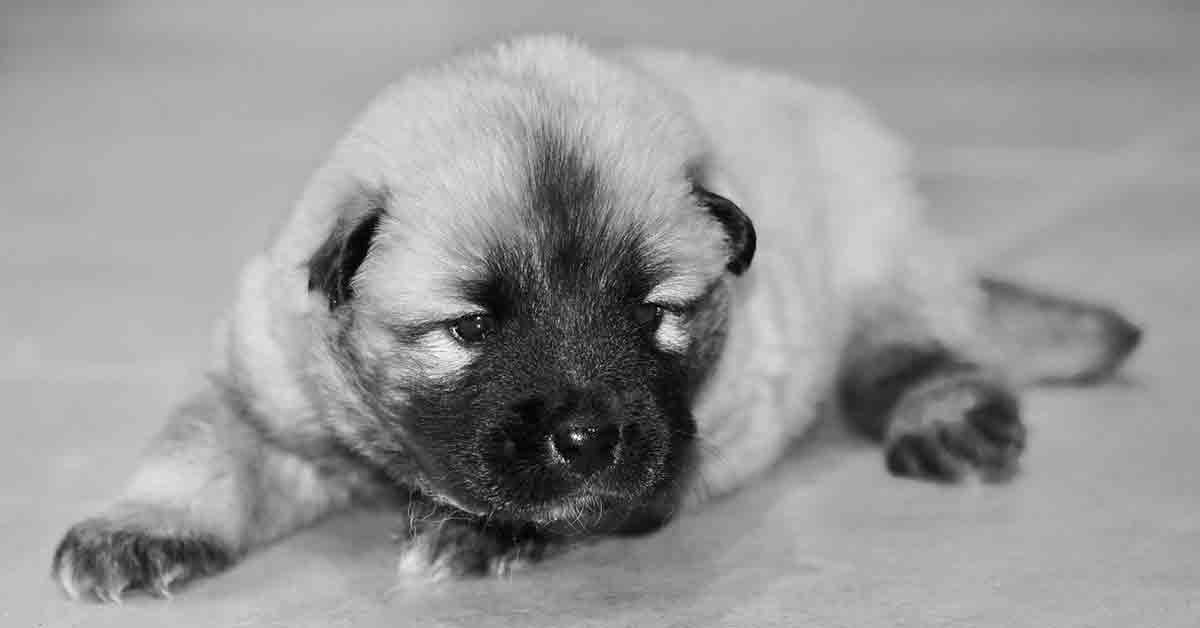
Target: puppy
x=545 y=293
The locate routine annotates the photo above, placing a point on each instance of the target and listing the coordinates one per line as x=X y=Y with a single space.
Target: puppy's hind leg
x=939 y=416
x=935 y=379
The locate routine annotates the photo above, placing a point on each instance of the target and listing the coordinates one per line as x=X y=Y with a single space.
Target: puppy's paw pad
x=100 y=559
x=946 y=431
x=457 y=549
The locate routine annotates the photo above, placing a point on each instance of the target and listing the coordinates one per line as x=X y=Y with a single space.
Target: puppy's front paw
x=462 y=548
x=102 y=558
x=954 y=425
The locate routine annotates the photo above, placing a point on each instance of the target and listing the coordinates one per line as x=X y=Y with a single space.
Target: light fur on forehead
x=453 y=149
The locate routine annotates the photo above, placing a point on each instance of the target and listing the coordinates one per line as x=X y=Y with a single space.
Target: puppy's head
x=522 y=294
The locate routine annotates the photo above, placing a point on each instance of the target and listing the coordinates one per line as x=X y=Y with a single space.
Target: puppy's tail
x=1049 y=339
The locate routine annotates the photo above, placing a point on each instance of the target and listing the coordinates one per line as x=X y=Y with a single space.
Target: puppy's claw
x=161 y=588
x=64 y=571
x=110 y=595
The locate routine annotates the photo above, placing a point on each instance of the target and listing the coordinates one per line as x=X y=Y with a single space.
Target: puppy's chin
x=590 y=507
x=593 y=514
x=585 y=514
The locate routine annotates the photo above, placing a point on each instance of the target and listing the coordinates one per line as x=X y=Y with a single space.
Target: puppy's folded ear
x=332 y=268
x=739 y=230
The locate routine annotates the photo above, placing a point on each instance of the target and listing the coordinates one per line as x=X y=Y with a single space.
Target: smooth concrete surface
x=147 y=148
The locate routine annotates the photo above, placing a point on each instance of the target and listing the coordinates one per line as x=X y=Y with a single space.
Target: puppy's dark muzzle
x=567 y=442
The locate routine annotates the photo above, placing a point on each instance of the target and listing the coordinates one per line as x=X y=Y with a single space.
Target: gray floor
x=148 y=147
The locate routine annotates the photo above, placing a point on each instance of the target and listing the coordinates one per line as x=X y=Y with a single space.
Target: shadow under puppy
x=553 y=293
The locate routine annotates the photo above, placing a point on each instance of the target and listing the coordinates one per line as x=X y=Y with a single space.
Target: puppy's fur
x=547 y=292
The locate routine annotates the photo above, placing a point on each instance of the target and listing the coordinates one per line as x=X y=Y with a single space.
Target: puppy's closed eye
x=648 y=315
x=670 y=329
x=473 y=329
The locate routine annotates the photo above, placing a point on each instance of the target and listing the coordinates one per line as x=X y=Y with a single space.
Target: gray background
x=148 y=147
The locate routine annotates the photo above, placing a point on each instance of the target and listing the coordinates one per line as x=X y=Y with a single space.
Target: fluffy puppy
x=547 y=292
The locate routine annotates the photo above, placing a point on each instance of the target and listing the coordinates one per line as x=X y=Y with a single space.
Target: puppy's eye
x=648 y=315
x=473 y=329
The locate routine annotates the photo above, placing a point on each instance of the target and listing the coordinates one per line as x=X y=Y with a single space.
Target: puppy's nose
x=586 y=444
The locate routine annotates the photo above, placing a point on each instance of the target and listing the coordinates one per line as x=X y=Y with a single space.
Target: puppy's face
x=521 y=332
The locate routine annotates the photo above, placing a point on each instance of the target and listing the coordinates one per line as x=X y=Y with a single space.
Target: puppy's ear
x=739 y=230
x=331 y=269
